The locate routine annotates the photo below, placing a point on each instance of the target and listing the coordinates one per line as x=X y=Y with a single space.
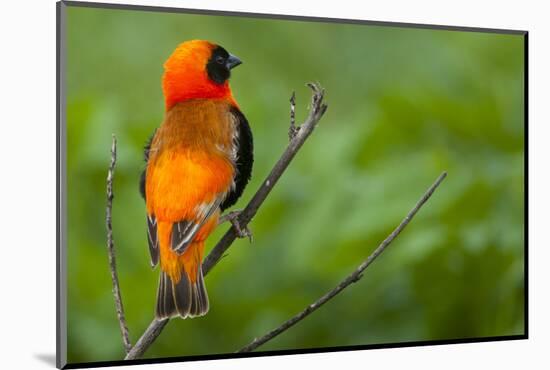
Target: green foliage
x=404 y=105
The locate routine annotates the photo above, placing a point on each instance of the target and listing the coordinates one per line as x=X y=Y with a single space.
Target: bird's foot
x=233 y=217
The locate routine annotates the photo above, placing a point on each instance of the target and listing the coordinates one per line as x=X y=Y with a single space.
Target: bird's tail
x=184 y=298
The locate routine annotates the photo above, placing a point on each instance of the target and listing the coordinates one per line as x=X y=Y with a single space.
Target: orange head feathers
x=198 y=69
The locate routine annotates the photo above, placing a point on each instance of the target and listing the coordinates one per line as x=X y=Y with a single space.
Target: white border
x=28 y=181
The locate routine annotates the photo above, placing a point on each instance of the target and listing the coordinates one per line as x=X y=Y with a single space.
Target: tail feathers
x=199 y=297
x=165 y=302
x=184 y=299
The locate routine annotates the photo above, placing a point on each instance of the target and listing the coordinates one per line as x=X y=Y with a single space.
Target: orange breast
x=189 y=161
x=182 y=179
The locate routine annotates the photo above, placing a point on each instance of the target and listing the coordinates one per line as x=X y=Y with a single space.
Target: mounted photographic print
x=234 y=184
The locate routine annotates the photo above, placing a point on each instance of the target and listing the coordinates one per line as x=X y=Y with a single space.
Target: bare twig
x=149 y=336
x=111 y=250
x=318 y=108
x=292 y=130
x=351 y=278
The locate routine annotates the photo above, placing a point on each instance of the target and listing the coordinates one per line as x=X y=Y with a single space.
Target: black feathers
x=152 y=239
x=184 y=298
x=183 y=232
x=199 y=297
x=166 y=306
x=182 y=235
x=146 y=151
x=216 y=67
x=245 y=159
x=182 y=295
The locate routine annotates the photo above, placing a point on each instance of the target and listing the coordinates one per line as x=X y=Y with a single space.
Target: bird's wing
x=153 y=240
x=151 y=220
x=184 y=231
x=244 y=158
x=146 y=150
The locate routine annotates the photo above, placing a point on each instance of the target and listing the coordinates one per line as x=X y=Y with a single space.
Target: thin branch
x=149 y=336
x=111 y=250
x=292 y=129
x=318 y=108
x=355 y=276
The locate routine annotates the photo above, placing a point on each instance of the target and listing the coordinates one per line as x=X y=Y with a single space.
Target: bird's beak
x=232 y=61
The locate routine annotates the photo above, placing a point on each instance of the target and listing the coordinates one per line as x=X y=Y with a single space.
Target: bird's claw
x=233 y=217
x=242 y=232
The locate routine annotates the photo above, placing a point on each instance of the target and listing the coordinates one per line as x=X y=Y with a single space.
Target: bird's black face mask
x=220 y=64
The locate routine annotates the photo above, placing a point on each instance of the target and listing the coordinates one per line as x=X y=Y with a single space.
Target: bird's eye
x=220 y=60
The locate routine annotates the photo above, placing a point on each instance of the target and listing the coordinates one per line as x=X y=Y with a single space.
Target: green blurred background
x=404 y=105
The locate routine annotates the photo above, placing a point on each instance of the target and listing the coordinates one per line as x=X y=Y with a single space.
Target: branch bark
x=111 y=251
x=355 y=276
x=297 y=139
x=318 y=108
